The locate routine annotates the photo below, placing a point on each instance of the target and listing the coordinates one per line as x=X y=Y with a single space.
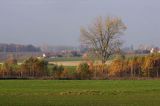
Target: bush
x=151 y=67
x=116 y=68
x=100 y=71
x=69 y=74
x=9 y=68
x=34 y=67
x=83 y=71
x=57 y=71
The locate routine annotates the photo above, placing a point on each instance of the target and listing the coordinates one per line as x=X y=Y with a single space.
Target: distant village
x=82 y=50
x=24 y=51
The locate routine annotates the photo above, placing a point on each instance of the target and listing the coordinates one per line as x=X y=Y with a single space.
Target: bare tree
x=103 y=37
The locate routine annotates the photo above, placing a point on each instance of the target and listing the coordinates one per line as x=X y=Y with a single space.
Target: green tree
x=34 y=67
x=57 y=71
x=83 y=71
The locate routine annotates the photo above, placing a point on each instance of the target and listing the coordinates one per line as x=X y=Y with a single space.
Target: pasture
x=65 y=59
x=79 y=93
x=67 y=63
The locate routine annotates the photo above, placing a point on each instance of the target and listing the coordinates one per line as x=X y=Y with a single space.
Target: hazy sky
x=57 y=22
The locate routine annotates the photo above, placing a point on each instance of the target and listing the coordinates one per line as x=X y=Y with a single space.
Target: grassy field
x=67 y=63
x=70 y=68
x=79 y=93
x=66 y=59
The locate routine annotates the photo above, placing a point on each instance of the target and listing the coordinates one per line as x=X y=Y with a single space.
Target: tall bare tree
x=103 y=37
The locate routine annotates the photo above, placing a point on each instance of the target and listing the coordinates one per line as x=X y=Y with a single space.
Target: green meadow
x=79 y=93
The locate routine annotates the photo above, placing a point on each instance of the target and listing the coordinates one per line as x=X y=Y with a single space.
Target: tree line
x=134 y=67
x=18 y=48
x=147 y=66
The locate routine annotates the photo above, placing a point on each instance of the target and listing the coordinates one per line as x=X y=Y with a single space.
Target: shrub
x=34 y=67
x=69 y=74
x=100 y=71
x=151 y=67
x=83 y=71
x=57 y=71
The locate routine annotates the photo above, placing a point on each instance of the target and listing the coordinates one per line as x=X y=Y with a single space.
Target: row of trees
x=142 y=66
x=18 y=48
x=133 y=67
x=120 y=67
x=31 y=68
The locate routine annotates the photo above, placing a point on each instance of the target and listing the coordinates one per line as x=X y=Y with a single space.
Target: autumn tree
x=135 y=65
x=103 y=37
x=100 y=71
x=151 y=67
x=34 y=67
x=116 y=68
x=57 y=70
x=9 y=67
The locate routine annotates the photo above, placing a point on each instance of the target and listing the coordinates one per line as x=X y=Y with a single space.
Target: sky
x=58 y=22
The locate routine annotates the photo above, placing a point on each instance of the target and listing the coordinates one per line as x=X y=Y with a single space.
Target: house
x=155 y=50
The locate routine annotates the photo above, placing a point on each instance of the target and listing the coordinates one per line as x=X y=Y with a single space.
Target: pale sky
x=57 y=22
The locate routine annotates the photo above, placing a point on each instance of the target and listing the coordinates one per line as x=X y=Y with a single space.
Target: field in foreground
x=79 y=93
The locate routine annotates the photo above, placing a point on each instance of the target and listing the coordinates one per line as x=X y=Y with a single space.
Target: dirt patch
x=85 y=92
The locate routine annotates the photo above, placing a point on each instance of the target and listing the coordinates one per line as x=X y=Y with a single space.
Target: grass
x=67 y=63
x=70 y=68
x=79 y=93
x=59 y=59
x=75 y=61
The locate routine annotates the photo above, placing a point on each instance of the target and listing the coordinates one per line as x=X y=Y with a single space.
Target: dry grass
x=67 y=63
x=73 y=63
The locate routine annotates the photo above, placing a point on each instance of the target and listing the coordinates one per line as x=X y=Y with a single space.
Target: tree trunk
x=148 y=74
x=131 y=70
x=139 y=72
x=157 y=73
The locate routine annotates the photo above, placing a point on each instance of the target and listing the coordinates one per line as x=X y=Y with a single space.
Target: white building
x=155 y=50
x=44 y=55
x=152 y=50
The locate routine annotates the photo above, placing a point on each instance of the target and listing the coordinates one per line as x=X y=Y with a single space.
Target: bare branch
x=104 y=36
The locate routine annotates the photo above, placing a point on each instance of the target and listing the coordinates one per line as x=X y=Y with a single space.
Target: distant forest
x=18 y=48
